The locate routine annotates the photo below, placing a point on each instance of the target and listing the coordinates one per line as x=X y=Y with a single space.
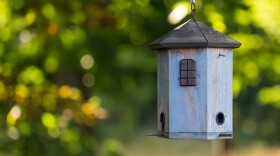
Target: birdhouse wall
x=191 y=110
x=163 y=90
x=187 y=104
x=219 y=88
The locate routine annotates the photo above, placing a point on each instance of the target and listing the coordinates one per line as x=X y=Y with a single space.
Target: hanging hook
x=193 y=7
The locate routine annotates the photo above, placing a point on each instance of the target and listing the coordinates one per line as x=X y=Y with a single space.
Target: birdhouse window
x=187 y=72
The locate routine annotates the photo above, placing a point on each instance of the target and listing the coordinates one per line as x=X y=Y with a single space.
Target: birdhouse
x=194 y=82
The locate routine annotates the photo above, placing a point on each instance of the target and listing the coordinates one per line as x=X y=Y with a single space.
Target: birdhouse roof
x=194 y=34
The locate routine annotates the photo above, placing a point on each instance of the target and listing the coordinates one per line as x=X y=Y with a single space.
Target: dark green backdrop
x=76 y=73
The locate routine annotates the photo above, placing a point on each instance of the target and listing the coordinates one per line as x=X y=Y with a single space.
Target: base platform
x=193 y=135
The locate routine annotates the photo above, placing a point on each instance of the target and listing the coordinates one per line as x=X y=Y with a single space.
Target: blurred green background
x=77 y=78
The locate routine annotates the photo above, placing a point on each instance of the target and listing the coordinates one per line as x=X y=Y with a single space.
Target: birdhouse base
x=194 y=135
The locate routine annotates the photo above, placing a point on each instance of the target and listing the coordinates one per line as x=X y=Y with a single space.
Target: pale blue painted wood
x=163 y=89
x=187 y=104
x=219 y=88
x=190 y=111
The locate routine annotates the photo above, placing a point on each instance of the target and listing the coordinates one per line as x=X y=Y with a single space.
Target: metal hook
x=193 y=8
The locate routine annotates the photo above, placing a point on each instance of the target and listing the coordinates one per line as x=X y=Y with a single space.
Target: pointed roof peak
x=194 y=34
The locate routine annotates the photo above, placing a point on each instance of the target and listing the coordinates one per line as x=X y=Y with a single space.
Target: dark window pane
x=184 y=64
x=183 y=74
x=191 y=82
x=191 y=74
x=183 y=82
x=191 y=64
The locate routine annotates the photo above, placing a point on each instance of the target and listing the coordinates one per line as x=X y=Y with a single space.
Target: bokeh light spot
x=251 y=71
x=70 y=135
x=15 y=112
x=236 y=86
x=179 y=12
x=10 y=120
x=101 y=113
x=48 y=10
x=53 y=29
x=270 y=95
x=54 y=132
x=13 y=133
x=30 y=17
x=64 y=91
x=31 y=75
x=242 y=16
x=75 y=94
x=67 y=113
x=217 y=21
x=88 y=80
x=22 y=91
x=49 y=120
x=89 y=108
x=87 y=61
x=51 y=64
x=3 y=92
x=96 y=100
x=63 y=122
x=25 y=36
x=4 y=13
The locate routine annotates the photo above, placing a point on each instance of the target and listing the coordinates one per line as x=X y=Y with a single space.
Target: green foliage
x=74 y=74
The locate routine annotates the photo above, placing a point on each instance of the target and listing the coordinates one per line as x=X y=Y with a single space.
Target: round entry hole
x=220 y=118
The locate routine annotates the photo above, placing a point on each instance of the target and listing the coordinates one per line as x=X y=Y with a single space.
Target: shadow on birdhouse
x=194 y=82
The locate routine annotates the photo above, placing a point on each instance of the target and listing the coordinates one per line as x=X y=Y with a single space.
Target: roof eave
x=155 y=46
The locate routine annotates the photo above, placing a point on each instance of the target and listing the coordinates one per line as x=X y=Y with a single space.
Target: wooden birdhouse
x=194 y=82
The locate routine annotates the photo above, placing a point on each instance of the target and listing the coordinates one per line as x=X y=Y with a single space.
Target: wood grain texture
x=163 y=89
x=219 y=88
x=187 y=103
x=190 y=111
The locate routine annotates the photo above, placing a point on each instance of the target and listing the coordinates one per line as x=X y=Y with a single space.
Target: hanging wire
x=193 y=16
x=193 y=8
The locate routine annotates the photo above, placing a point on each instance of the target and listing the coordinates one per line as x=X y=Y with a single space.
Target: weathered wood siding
x=187 y=104
x=219 y=88
x=163 y=89
x=193 y=109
